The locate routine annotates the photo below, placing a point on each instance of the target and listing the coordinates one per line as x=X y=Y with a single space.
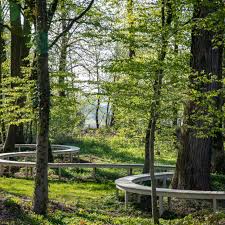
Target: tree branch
x=5 y=26
x=69 y=26
x=51 y=12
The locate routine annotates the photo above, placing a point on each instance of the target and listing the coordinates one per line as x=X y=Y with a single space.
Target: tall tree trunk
x=25 y=63
x=176 y=126
x=112 y=120
x=2 y=59
x=158 y=78
x=107 y=113
x=98 y=92
x=50 y=155
x=155 y=213
x=16 y=40
x=29 y=136
x=97 y=112
x=155 y=107
x=20 y=40
x=150 y=138
x=218 y=155
x=63 y=54
x=194 y=158
x=41 y=179
x=130 y=17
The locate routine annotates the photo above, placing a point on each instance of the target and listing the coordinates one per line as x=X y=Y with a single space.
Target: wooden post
x=71 y=157
x=60 y=173
x=64 y=158
x=169 y=203
x=26 y=172
x=139 y=198
x=9 y=170
x=130 y=171
x=94 y=172
x=161 y=205
x=214 y=204
x=31 y=172
x=1 y=170
x=126 y=199
x=26 y=168
x=164 y=181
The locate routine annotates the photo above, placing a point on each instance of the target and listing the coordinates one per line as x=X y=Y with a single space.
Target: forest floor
x=81 y=199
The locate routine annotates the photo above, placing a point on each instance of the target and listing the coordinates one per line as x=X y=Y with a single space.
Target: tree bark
x=158 y=79
x=155 y=107
x=41 y=179
x=20 y=40
x=107 y=113
x=97 y=113
x=16 y=40
x=130 y=16
x=194 y=157
x=98 y=92
x=2 y=59
x=63 y=54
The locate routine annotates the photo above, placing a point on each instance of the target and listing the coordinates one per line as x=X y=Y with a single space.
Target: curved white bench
x=130 y=185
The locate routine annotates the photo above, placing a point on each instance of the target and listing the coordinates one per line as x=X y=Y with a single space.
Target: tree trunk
x=98 y=94
x=63 y=54
x=107 y=113
x=41 y=179
x=155 y=213
x=16 y=40
x=30 y=133
x=155 y=107
x=20 y=40
x=50 y=155
x=2 y=59
x=218 y=155
x=112 y=120
x=158 y=79
x=150 y=140
x=97 y=113
x=9 y=145
x=194 y=157
x=130 y=16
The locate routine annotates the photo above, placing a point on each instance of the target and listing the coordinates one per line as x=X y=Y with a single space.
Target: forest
x=112 y=112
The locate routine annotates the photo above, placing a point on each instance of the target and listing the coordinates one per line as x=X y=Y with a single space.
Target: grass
x=77 y=203
x=114 y=149
x=81 y=199
x=89 y=203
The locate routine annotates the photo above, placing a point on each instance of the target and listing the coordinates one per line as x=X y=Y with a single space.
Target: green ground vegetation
x=81 y=199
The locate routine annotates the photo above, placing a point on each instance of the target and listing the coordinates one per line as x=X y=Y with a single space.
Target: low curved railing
x=6 y=160
x=131 y=184
x=59 y=150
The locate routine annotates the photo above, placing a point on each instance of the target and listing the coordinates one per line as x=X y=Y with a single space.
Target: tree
x=15 y=132
x=43 y=19
x=63 y=54
x=197 y=142
x=41 y=178
x=2 y=59
x=20 y=49
x=155 y=105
